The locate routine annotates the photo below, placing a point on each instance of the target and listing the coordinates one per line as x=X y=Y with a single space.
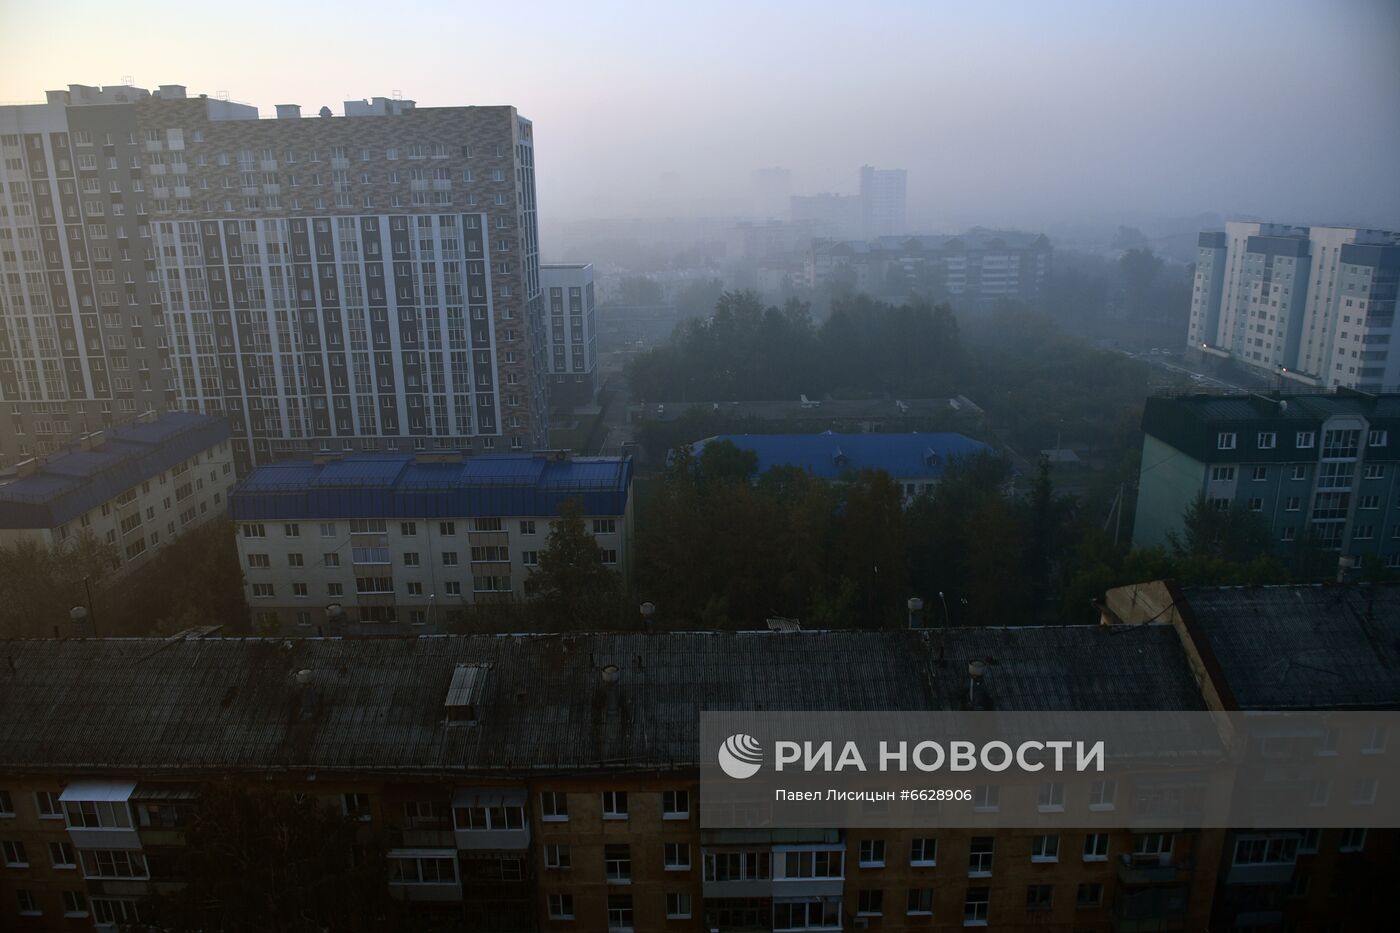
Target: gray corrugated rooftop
x=228 y=704
x=1303 y=647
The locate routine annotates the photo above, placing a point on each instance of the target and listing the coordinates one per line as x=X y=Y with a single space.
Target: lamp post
x=916 y=606
x=648 y=609
x=943 y=599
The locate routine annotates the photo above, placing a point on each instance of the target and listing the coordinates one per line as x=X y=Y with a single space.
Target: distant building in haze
x=573 y=332
x=772 y=192
x=1312 y=305
x=882 y=201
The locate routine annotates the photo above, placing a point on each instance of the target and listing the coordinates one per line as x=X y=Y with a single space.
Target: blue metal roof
x=402 y=486
x=73 y=480
x=828 y=455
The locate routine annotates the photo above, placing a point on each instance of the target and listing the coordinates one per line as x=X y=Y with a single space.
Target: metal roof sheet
x=829 y=455
x=203 y=705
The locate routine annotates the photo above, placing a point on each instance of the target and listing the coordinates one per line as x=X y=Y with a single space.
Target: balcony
x=1138 y=870
x=1150 y=910
x=490 y=818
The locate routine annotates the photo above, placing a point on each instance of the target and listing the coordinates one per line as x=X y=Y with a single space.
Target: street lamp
x=942 y=599
x=81 y=614
x=648 y=609
x=916 y=606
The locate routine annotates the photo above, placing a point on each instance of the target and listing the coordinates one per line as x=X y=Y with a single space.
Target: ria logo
x=740 y=756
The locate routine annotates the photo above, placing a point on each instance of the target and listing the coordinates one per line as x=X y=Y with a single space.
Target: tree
x=263 y=860
x=638 y=290
x=39 y=585
x=572 y=588
x=1232 y=535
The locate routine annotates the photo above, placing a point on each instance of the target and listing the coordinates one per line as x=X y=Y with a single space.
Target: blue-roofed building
x=136 y=486
x=916 y=460
x=403 y=538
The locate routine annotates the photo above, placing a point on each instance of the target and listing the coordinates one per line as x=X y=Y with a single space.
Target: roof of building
x=405 y=486
x=191 y=704
x=1302 y=647
x=829 y=456
x=86 y=474
x=1191 y=423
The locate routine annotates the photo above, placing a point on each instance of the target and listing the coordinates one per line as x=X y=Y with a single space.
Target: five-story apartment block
x=359 y=282
x=1314 y=305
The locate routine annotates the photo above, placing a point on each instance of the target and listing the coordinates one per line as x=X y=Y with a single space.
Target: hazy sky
x=1008 y=113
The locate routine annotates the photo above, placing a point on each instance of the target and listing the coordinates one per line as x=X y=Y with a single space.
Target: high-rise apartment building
x=1314 y=305
x=366 y=281
x=882 y=200
x=573 y=334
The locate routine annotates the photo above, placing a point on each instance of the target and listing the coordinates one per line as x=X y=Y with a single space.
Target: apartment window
x=678 y=906
x=869 y=903
x=1152 y=845
x=114 y=864
x=355 y=806
x=249 y=531
x=447 y=529
x=554 y=806
x=1225 y=440
x=263 y=591
x=295 y=560
x=1045 y=848
x=330 y=559
x=1096 y=847
x=527 y=527
x=920 y=902
x=45 y=804
x=675 y=805
x=872 y=853
x=7 y=804
x=28 y=906
x=975 y=907
x=1292 y=504
x=115 y=910
x=1374 y=743
x=820 y=864
x=328 y=529
x=1256 y=504
x=923 y=853
x=1375 y=471
x=1368 y=502
x=1052 y=797
x=1039 y=896
x=1089 y=895
x=1352 y=840
x=677 y=856
x=607 y=555
x=614 y=804
x=561 y=907
x=1299 y=473
x=986 y=797
x=422 y=870
x=1267 y=440
x=979 y=858
x=1364 y=532
x=1304 y=440
x=556 y=857
x=1377 y=438
x=617 y=860
x=449 y=558
x=259 y=561
x=1222 y=474
x=97 y=814
x=604 y=526
x=530 y=558
x=477 y=819
x=75 y=904
x=1259 y=474
x=619 y=913
x=453 y=588
x=15 y=855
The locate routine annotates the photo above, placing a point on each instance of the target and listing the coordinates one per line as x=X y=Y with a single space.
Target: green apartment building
x=1322 y=464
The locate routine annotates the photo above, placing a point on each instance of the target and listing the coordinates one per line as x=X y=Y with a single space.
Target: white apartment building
x=136 y=487
x=1313 y=305
x=572 y=332
x=398 y=538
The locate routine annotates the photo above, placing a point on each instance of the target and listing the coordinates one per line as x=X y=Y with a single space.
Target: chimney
x=289 y=111
x=976 y=692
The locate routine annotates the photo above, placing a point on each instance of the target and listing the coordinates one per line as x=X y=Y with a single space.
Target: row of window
x=1341 y=443
x=601 y=526
x=1331 y=475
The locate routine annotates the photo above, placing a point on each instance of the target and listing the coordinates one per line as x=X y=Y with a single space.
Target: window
x=486 y=524
x=1299 y=473
x=1260 y=850
x=527 y=527
x=447 y=529
x=328 y=529
x=1259 y=474
x=259 y=561
x=45 y=804
x=1292 y=504
x=923 y=853
x=1045 y=848
x=114 y=863
x=975 y=907
x=330 y=559
x=677 y=906
x=115 y=910
x=872 y=853
x=1267 y=440
x=97 y=814
x=617 y=860
x=484 y=819
x=604 y=526
x=7 y=804
x=920 y=902
x=554 y=806
x=1039 y=896
x=979 y=857
x=556 y=857
x=263 y=591
x=1088 y=895
x=1304 y=440
x=252 y=531
x=607 y=555
x=1368 y=502
x=1352 y=840
x=614 y=804
x=28 y=906
x=295 y=560
x=1096 y=847
x=1225 y=440
x=738 y=866
x=620 y=912
x=677 y=856
x=449 y=558
x=1052 y=797
x=61 y=855
x=1374 y=743
x=1152 y=846
x=869 y=903
x=291 y=530
x=675 y=805
x=15 y=855
x=422 y=869
x=1377 y=438
x=561 y=907
x=74 y=904
x=985 y=797
x=1375 y=471
x=1222 y=474
x=1256 y=504
x=355 y=806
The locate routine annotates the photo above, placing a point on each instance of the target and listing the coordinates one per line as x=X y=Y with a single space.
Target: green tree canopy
x=572 y=588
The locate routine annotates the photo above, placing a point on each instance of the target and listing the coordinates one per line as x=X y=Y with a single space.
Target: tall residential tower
x=367 y=281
